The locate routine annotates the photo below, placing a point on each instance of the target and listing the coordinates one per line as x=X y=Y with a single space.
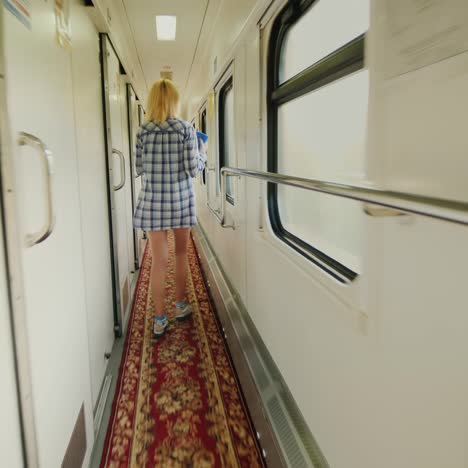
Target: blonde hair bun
x=163 y=101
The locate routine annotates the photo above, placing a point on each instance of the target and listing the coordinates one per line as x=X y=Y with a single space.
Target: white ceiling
x=155 y=55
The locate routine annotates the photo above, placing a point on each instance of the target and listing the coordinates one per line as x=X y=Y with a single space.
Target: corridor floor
x=178 y=401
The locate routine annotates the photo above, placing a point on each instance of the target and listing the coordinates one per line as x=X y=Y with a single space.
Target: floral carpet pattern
x=178 y=403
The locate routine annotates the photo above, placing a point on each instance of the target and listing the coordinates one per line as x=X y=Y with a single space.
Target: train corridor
x=315 y=151
x=178 y=401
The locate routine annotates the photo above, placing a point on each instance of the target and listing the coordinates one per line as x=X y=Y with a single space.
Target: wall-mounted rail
x=438 y=208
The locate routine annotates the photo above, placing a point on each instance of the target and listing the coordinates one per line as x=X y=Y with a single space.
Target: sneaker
x=182 y=311
x=160 y=325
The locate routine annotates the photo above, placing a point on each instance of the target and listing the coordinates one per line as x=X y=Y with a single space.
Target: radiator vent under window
x=293 y=452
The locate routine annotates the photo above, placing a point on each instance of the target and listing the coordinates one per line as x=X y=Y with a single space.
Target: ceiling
x=156 y=55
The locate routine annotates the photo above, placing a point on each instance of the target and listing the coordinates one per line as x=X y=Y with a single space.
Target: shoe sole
x=158 y=335
x=183 y=317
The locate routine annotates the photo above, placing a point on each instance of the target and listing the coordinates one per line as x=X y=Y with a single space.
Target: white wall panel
x=93 y=191
x=377 y=368
x=423 y=130
x=40 y=101
x=229 y=244
x=10 y=432
x=112 y=18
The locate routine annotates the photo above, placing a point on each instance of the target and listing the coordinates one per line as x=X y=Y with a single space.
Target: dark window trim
x=104 y=44
x=203 y=129
x=336 y=65
x=343 y=61
x=227 y=86
x=131 y=152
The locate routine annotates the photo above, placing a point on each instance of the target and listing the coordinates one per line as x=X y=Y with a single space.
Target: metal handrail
x=208 y=204
x=27 y=139
x=122 y=169
x=438 y=208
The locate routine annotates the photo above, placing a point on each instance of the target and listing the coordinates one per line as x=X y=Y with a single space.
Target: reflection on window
x=318 y=129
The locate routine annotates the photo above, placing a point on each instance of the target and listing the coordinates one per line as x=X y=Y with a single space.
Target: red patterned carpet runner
x=178 y=402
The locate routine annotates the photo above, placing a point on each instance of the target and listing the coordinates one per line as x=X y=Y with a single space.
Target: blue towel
x=202 y=136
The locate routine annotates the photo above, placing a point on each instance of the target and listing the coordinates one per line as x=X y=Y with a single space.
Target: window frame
x=342 y=62
x=202 y=115
x=228 y=85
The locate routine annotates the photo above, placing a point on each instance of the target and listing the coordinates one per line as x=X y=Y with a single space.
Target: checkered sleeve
x=139 y=152
x=202 y=161
x=194 y=161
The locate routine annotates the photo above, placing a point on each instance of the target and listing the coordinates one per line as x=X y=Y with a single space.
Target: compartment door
x=119 y=167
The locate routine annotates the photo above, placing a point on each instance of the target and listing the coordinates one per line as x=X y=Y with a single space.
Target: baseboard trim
x=110 y=379
x=102 y=402
x=282 y=431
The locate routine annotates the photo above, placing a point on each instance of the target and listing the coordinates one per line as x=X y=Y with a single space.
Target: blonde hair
x=163 y=101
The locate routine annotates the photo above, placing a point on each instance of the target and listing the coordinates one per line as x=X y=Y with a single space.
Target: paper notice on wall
x=211 y=105
x=419 y=33
x=62 y=21
x=21 y=9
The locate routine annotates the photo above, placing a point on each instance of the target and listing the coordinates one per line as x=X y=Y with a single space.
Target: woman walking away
x=167 y=153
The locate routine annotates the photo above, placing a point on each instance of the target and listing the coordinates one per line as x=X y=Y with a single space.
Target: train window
x=203 y=121
x=317 y=124
x=226 y=133
x=324 y=31
x=203 y=129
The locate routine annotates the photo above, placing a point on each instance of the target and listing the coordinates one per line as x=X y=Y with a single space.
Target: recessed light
x=166 y=28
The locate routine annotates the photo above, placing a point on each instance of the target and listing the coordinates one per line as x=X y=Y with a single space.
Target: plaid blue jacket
x=168 y=157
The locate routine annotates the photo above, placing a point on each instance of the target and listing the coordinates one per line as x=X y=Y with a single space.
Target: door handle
x=122 y=168
x=26 y=139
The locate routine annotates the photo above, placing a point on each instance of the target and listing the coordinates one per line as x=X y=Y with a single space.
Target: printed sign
x=21 y=9
x=62 y=20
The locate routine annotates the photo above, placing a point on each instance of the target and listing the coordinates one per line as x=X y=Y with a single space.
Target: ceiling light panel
x=166 y=28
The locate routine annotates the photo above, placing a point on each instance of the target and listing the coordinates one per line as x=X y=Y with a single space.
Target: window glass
x=226 y=133
x=229 y=155
x=322 y=135
x=203 y=121
x=203 y=129
x=326 y=26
